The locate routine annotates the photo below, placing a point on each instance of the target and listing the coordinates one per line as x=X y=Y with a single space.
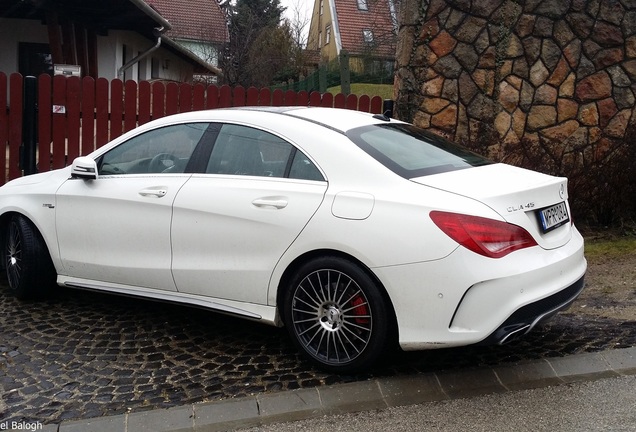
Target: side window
x=242 y=150
x=304 y=169
x=164 y=150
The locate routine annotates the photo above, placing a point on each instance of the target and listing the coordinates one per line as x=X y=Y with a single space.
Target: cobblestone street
x=83 y=355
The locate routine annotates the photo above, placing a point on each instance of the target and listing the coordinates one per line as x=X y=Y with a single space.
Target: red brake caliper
x=360 y=309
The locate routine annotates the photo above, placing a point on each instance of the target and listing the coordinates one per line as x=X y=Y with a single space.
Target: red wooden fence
x=78 y=115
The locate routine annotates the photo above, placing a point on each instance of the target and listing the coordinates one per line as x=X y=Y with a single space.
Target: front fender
x=34 y=198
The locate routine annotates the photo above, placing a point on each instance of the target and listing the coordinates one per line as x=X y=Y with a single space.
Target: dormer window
x=367 y=36
x=363 y=5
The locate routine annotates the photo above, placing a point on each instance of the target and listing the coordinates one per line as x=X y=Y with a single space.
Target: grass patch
x=385 y=91
x=612 y=247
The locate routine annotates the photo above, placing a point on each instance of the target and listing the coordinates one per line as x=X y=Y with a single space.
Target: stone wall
x=544 y=83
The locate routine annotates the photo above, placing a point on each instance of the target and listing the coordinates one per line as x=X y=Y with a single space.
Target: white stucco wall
x=206 y=51
x=111 y=51
x=11 y=33
x=109 y=48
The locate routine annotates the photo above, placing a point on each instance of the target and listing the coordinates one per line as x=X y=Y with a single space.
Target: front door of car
x=116 y=229
x=232 y=224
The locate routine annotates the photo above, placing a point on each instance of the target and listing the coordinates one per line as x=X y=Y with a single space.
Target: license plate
x=553 y=217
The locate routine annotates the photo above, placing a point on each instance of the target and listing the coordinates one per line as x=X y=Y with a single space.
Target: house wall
x=11 y=33
x=110 y=52
x=376 y=66
x=206 y=51
x=317 y=31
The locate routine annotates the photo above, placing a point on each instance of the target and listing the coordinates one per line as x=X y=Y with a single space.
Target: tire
x=336 y=315
x=30 y=271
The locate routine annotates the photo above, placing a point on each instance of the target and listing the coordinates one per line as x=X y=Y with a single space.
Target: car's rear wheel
x=336 y=315
x=27 y=261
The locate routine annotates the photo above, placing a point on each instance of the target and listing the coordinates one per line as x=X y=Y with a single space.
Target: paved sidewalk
x=377 y=393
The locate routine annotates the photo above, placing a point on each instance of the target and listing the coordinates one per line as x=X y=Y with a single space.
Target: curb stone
x=373 y=394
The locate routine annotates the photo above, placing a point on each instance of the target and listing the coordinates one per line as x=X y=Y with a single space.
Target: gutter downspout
x=157 y=32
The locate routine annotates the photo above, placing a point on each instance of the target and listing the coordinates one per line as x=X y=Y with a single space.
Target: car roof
x=338 y=119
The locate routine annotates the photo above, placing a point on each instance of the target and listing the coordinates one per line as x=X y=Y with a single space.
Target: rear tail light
x=487 y=237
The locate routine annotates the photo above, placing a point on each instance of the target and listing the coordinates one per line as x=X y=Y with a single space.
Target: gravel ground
x=610 y=290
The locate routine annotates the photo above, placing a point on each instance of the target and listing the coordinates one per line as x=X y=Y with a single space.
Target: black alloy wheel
x=29 y=269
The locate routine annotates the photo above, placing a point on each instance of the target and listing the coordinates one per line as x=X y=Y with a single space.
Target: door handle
x=277 y=203
x=153 y=192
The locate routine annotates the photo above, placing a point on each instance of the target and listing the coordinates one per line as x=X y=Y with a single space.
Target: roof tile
x=193 y=19
x=352 y=22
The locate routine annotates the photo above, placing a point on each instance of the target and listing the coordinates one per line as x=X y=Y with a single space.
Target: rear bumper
x=466 y=299
x=526 y=318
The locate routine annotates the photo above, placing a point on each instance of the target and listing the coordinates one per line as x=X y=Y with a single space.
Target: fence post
x=322 y=78
x=345 y=73
x=29 y=125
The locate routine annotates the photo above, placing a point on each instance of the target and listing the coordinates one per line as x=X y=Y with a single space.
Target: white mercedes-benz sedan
x=352 y=230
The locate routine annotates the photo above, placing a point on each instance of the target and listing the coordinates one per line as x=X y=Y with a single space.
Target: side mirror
x=85 y=168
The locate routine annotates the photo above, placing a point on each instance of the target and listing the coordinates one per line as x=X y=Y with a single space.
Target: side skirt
x=255 y=312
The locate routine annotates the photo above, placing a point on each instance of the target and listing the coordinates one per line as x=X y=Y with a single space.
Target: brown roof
x=352 y=22
x=199 y=20
x=311 y=56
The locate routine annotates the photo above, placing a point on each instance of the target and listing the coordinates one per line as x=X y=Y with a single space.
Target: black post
x=29 y=126
x=387 y=107
x=345 y=73
x=322 y=77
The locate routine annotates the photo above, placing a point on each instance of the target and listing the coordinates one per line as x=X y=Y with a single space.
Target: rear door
x=232 y=224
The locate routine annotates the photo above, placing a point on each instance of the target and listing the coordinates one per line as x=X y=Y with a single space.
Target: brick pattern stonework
x=535 y=69
x=543 y=79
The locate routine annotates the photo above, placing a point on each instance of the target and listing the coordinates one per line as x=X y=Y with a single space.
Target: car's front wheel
x=27 y=261
x=336 y=314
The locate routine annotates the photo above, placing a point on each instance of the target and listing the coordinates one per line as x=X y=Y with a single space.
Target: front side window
x=164 y=150
x=242 y=150
x=413 y=152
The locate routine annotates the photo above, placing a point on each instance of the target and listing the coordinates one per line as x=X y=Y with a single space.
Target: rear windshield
x=413 y=152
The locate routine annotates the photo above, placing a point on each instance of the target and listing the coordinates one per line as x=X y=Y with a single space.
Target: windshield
x=413 y=152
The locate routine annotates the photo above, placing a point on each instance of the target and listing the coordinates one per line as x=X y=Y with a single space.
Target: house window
x=362 y=5
x=367 y=36
x=327 y=34
x=34 y=59
x=322 y=6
